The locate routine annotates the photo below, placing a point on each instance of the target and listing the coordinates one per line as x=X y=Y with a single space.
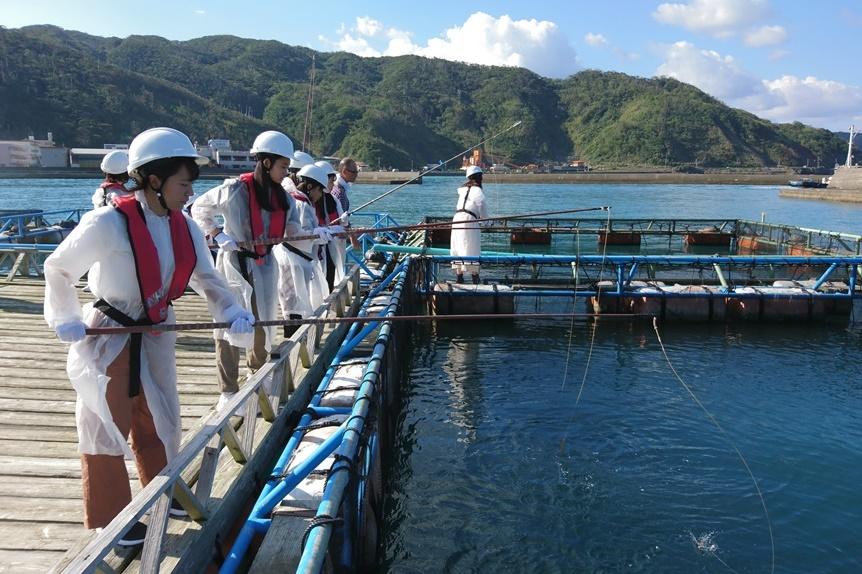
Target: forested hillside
x=88 y=90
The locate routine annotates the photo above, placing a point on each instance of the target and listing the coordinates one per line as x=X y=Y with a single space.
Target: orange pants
x=106 y=481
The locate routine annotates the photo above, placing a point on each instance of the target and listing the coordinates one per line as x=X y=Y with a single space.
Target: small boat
x=807 y=182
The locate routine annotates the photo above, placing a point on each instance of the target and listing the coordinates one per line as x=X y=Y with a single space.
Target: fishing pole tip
x=516 y=124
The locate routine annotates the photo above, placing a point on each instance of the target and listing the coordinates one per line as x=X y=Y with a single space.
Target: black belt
x=135 y=340
x=468 y=211
x=296 y=251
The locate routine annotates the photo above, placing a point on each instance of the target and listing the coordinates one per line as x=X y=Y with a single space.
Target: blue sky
x=785 y=60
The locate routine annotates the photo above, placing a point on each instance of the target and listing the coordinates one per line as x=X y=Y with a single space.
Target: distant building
x=475 y=158
x=87 y=158
x=233 y=159
x=115 y=146
x=218 y=144
x=19 y=154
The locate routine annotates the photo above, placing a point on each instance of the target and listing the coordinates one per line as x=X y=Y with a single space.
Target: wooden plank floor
x=41 y=514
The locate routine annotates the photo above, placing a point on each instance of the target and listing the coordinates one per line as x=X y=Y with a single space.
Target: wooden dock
x=41 y=512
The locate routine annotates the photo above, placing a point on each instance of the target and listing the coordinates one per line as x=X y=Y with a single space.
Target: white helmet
x=300 y=159
x=160 y=143
x=272 y=142
x=473 y=170
x=327 y=167
x=115 y=162
x=314 y=172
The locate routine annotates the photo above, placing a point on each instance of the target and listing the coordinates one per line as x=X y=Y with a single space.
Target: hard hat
x=160 y=143
x=473 y=170
x=300 y=159
x=272 y=142
x=115 y=162
x=314 y=172
x=327 y=167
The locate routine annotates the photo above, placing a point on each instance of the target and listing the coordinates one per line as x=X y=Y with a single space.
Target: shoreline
x=399 y=177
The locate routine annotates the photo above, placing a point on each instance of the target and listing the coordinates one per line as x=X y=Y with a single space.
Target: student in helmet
x=114 y=165
x=302 y=285
x=299 y=160
x=253 y=206
x=329 y=212
x=139 y=254
x=466 y=239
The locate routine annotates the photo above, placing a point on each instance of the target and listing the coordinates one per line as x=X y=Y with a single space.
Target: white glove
x=333 y=229
x=226 y=242
x=323 y=234
x=71 y=332
x=242 y=324
x=344 y=219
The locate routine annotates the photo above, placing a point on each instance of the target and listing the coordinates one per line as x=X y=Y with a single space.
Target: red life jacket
x=277 y=218
x=153 y=295
x=327 y=209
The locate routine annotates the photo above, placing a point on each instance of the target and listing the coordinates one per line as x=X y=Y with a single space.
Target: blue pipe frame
x=627 y=266
x=280 y=483
x=315 y=549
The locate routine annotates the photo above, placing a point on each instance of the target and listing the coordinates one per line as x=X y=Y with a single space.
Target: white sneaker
x=223 y=400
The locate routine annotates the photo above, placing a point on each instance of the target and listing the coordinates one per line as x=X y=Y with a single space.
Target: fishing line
x=574 y=302
x=595 y=325
x=726 y=436
x=707 y=546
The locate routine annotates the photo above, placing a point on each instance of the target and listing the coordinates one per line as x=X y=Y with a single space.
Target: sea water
x=498 y=466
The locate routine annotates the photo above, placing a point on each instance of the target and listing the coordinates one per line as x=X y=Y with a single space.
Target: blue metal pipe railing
x=280 y=482
x=314 y=551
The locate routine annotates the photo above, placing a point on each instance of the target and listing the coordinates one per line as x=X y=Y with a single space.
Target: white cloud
x=822 y=103
x=717 y=17
x=201 y=12
x=368 y=26
x=766 y=36
x=483 y=39
x=595 y=39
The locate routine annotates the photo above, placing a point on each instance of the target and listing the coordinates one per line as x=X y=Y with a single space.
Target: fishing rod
x=163 y=327
x=416 y=227
x=393 y=190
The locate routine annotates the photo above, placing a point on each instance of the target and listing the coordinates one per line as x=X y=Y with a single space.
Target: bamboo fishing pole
x=163 y=327
x=427 y=171
x=417 y=227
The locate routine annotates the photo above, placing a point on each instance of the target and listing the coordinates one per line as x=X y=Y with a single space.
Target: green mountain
x=397 y=112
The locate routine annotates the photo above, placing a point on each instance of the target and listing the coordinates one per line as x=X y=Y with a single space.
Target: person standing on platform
x=330 y=213
x=254 y=206
x=299 y=160
x=466 y=239
x=302 y=285
x=347 y=172
x=114 y=166
x=139 y=254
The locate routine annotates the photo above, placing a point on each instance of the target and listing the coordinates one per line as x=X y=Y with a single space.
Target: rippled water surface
x=498 y=470
x=495 y=468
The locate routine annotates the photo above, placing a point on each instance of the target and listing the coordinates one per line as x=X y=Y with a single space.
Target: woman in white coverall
x=466 y=239
x=330 y=212
x=302 y=285
x=115 y=166
x=139 y=254
x=253 y=206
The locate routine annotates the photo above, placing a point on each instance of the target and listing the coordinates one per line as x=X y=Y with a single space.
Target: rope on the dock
x=729 y=441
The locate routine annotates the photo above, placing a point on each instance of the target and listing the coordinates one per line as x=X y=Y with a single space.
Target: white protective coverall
x=230 y=201
x=337 y=248
x=302 y=280
x=466 y=239
x=100 y=244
